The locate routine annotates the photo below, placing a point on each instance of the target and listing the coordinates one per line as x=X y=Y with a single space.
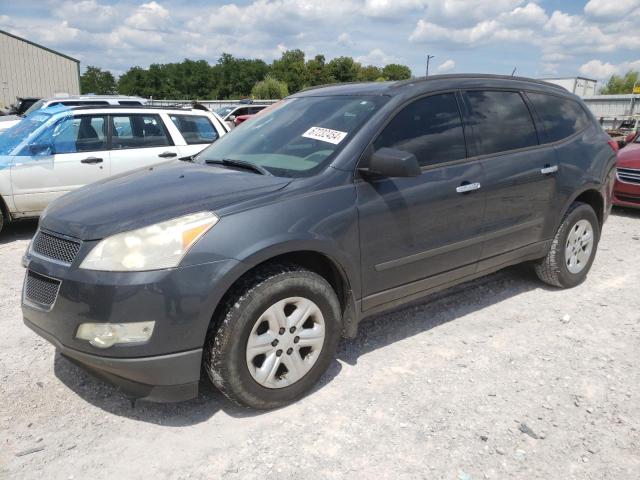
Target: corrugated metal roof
x=39 y=46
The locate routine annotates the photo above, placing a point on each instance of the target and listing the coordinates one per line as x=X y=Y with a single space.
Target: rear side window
x=561 y=117
x=430 y=128
x=130 y=103
x=195 y=129
x=138 y=131
x=501 y=121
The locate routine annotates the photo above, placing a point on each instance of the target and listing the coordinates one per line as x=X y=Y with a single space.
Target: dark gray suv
x=254 y=258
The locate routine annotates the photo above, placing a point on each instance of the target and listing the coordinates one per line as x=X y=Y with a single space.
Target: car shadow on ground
x=374 y=333
x=200 y=409
x=439 y=308
x=20 y=230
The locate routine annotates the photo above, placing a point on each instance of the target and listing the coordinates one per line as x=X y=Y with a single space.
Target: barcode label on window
x=325 y=135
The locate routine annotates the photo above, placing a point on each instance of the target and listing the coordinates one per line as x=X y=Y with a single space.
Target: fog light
x=105 y=335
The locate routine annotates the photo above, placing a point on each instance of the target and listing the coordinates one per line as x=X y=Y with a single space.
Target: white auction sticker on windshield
x=325 y=135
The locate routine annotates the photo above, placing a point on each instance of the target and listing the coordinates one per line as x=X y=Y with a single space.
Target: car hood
x=152 y=195
x=629 y=156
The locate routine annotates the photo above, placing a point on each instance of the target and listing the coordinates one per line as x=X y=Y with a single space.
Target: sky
x=544 y=38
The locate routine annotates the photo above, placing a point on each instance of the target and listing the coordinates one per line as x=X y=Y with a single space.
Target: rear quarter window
x=195 y=129
x=560 y=117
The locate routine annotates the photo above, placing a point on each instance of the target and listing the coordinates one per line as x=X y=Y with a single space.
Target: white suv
x=73 y=101
x=58 y=149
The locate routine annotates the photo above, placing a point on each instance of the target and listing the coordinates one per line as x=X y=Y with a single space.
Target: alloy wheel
x=285 y=342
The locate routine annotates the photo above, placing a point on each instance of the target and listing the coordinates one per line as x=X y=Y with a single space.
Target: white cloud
x=85 y=13
x=603 y=70
x=611 y=9
x=375 y=57
x=150 y=16
x=344 y=39
x=446 y=66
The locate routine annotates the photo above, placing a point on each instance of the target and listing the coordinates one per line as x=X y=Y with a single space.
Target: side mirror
x=38 y=149
x=390 y=162
x=232 y=118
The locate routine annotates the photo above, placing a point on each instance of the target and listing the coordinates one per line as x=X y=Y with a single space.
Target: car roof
x=89 y=98
x=432 y=83
x=120 y=108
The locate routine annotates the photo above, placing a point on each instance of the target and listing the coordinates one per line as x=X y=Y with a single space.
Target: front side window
x=561 y=117
x=74 y=134
x=298 y=136
x=501 y=121
x=430 y=128
x=14 y=136
x=195 y=129
x=137 y=131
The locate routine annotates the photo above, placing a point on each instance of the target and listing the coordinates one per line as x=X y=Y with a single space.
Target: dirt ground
x=499 y=378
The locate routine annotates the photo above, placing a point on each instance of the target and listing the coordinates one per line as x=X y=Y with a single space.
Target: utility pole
x=429 y=57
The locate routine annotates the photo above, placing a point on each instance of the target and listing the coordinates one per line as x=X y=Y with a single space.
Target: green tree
x=133 y=82
x=290 y=69
x=394 y=71
x=343 y=69
x=317 y=71
x=621 y=84
x=98 y=81
x=236 y=77
x=269 y=88
x=370 y=73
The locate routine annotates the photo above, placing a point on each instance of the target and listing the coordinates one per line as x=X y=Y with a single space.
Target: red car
x=626 y=192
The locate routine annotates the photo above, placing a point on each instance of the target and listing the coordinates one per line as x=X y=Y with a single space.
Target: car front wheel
x=277 y=336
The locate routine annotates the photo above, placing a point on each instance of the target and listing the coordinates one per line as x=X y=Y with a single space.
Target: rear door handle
x=168 y=155
x=91 y=160
x=468 y=187
x=549 y=169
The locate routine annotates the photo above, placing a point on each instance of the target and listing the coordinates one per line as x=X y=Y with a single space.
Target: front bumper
x=180 y=301
x=163 y=378
x=626 y=194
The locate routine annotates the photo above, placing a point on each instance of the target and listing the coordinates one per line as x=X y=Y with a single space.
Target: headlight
x=150 y=248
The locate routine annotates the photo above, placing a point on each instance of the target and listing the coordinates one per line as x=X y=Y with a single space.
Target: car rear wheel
x=573 y=248
x=277 y=336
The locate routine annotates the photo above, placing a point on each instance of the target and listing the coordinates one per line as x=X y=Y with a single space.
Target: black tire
x=1 y=219
x=552 y=269
x=225 y=349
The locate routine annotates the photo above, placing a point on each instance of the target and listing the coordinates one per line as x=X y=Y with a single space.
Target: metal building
x=31 y=70
x=581 y=86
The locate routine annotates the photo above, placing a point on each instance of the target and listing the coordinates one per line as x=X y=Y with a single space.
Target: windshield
x=13 y=136
x=298 y=137
x=36 y=106
x=223 y=112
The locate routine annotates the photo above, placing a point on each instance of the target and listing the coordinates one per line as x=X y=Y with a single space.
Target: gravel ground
x=498 y=378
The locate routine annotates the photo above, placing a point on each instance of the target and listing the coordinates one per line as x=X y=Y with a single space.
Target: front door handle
x=91 y=160
x=468 y=187
x=549 y=169
x=168 y=155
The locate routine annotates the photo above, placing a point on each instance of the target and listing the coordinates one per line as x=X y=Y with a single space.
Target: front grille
x=40 y=289
x=628 y=198
x=629 y=175
x=57 y=248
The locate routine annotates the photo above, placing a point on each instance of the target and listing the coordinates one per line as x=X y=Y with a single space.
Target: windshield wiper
x=232 y=162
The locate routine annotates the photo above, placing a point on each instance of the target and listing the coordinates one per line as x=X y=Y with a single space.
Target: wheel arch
x=315 y=260
x=593 y=197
